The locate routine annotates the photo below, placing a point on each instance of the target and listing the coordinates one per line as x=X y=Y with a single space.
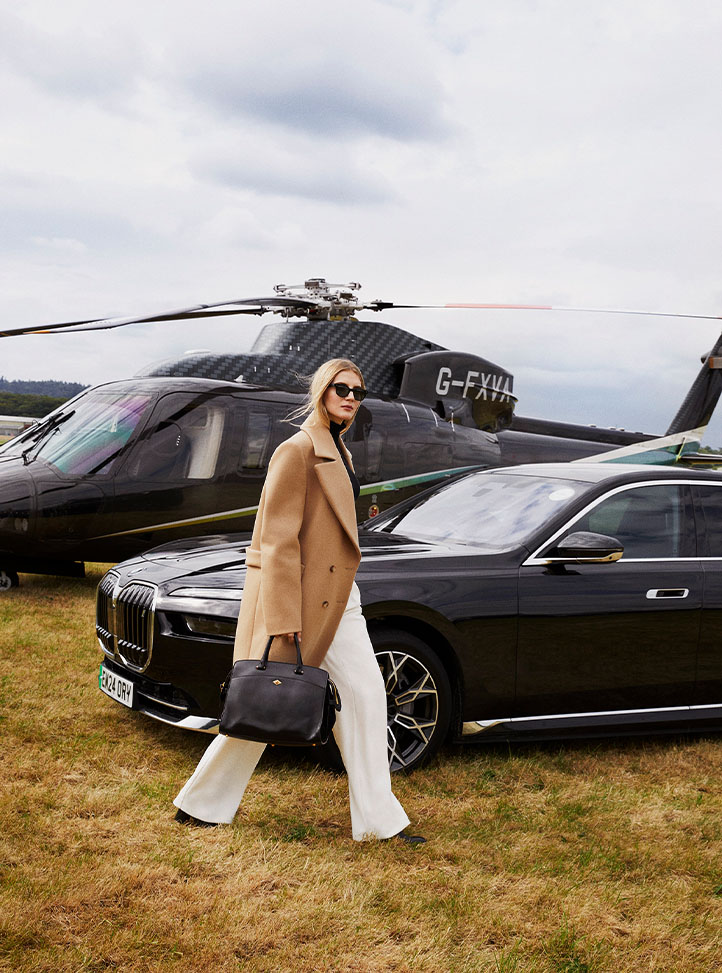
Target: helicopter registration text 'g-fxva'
x=475 y=386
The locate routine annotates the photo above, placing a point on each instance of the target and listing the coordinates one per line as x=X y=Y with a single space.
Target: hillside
x=58 y=390
x=28 y=405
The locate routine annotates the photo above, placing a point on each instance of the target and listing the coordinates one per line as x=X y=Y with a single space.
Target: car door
x=609 y=637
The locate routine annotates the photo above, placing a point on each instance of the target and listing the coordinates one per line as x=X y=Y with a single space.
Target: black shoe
x=411 y=839
x=183 y=818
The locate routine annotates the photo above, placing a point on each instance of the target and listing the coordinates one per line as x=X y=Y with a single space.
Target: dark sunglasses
x=342 y=391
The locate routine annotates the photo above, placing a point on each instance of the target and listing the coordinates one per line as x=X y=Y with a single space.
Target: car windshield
x=492 y=511
x=89 y=435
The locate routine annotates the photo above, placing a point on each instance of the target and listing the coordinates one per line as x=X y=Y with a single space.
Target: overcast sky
x=516 y=151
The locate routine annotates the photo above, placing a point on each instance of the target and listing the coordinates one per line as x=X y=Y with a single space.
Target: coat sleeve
x=284 y=504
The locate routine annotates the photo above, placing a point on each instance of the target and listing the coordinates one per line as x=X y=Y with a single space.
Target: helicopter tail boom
x=701 y=400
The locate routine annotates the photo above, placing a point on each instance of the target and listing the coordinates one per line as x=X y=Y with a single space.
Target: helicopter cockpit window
x=182 y=442
x=91 y=435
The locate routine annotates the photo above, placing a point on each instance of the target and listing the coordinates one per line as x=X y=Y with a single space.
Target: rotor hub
x=330 y=302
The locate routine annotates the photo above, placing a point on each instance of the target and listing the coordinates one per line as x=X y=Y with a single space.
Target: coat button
x=325 y=604
x=332 y=568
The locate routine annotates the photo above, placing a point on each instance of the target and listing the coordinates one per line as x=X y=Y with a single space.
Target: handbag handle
x=299 y=661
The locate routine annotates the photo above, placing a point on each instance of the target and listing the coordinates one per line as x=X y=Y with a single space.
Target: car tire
x=419 y=700
x=8 y=579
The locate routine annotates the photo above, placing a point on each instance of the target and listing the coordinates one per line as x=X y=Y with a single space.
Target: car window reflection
x=650 y=521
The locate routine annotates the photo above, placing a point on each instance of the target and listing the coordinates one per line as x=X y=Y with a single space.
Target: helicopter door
x=175 y=478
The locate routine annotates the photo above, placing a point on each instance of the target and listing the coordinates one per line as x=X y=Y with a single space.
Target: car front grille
x=104 y=613
x=125 y=618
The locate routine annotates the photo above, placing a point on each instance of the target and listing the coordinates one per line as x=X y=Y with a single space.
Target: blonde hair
x=319 y=382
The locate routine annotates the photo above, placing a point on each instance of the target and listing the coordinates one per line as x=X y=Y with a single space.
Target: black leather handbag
x=278 y=702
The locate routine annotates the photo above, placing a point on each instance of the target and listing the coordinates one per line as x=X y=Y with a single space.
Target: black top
x=336 y=429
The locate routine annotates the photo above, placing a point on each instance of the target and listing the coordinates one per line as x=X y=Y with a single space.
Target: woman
x=300 y=579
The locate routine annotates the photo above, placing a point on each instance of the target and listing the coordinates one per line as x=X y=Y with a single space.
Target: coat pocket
x=253 y=558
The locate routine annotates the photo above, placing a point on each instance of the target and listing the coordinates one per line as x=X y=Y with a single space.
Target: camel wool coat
x=304 y=551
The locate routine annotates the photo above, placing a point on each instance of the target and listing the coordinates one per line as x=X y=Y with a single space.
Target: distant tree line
x=58 y=390
x=29 y=405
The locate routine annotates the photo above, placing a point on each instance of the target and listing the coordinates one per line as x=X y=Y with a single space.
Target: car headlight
x=217 y=628
x=209 y=594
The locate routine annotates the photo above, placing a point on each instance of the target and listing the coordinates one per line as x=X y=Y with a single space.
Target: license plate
x=115 y=686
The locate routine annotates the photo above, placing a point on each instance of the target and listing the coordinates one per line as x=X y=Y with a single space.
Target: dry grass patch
x=561 y=858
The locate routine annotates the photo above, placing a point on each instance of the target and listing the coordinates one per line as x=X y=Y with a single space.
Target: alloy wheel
x=412 y=704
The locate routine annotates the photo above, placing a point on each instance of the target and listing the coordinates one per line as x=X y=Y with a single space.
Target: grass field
x=578 y=857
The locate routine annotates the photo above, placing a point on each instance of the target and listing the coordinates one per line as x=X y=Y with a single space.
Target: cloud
x=72 y=226
x=72 y=59
x=67 y=244
x=301 y=168
x=236 y=226
x=336 y=70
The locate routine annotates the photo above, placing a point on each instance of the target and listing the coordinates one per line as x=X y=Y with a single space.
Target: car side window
x=650 y=521
x=709 y=506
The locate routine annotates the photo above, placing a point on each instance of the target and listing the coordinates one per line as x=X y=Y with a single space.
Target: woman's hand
x=289 y=636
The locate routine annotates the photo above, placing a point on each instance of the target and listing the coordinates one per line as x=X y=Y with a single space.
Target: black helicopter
x=181 y=449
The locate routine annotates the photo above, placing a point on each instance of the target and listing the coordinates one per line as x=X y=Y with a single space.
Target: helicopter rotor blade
x=298 y=305
x=589 y=310
x=222 y=308
x=387 y=305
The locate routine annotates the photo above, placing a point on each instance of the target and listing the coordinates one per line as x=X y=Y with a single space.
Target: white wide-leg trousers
x=218 y=783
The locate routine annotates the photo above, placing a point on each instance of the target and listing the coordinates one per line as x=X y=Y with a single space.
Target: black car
x=544 y=600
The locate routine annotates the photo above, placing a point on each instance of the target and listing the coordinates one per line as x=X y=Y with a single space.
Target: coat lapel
x=333 y=477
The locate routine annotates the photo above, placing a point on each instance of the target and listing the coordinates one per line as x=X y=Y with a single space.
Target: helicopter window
x=93 y=435
x=494 y=512
x=183 y=441
x=254 y=454
x=204 y=430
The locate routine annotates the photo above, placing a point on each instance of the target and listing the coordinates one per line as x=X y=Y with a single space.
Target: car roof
x=598 y=472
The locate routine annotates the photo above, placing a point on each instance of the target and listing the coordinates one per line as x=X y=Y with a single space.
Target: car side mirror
x=585 y=547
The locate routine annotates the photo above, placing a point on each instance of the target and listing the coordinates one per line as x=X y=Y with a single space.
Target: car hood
x=219 y=560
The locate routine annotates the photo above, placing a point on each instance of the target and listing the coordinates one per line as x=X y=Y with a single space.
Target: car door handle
x=667 y=592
